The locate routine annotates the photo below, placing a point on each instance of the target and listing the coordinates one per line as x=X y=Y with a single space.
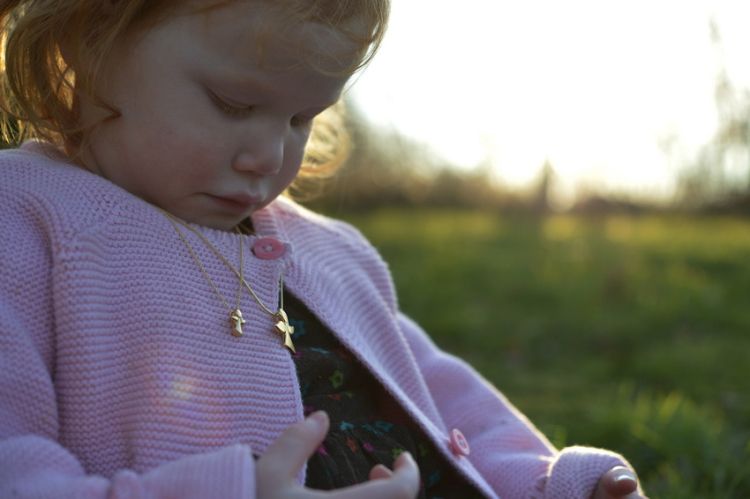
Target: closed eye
x=229 y=109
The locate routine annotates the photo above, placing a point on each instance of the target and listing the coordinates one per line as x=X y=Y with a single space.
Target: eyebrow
x=248 y=81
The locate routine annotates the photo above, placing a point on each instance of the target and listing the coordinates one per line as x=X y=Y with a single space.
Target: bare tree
x=721 y=168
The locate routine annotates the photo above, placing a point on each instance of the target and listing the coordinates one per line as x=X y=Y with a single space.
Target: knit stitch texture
x=119 y=377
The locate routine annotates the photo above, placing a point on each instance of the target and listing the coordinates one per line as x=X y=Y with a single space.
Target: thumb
x=284 y=458
x=617 y=482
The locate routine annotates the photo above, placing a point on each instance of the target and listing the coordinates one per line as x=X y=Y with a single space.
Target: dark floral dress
x=367 y=426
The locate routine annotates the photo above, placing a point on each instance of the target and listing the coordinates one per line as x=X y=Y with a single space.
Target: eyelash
x=242 y=112
x=228 y=109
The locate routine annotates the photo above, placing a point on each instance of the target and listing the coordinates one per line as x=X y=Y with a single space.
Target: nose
x=263 y=156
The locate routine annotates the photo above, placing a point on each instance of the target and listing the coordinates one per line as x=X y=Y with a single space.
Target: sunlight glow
x=592 y=86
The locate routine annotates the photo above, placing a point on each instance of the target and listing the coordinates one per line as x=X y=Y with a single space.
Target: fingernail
x=384 y=469
x=319 y=418
x=626 y=477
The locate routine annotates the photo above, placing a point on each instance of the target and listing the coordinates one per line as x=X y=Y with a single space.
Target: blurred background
x=645 y=102
x=562 y=192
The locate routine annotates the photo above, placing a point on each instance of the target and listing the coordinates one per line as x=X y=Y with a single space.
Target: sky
x=592 y=86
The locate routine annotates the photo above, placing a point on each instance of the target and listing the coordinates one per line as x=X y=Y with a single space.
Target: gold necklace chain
x=283 y=327
x=234 y=315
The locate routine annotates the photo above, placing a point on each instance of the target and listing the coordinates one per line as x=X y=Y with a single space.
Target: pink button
x=459 y=445
x=268 y=248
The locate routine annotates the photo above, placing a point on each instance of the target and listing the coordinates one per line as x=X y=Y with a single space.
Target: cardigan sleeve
x=506 y=449
x=33 y=463
x=35 y=467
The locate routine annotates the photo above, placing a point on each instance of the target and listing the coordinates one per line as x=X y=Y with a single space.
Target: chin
x=213 y=221
x=218 y=223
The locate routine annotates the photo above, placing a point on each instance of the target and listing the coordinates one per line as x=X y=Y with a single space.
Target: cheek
x=191 y=151
x=301 y=143
x=293 y=161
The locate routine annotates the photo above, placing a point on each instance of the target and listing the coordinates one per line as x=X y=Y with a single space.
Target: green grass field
x=629 y=333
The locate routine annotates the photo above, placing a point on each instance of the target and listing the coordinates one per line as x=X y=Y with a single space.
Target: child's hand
x=618 y=483
x=277 y=469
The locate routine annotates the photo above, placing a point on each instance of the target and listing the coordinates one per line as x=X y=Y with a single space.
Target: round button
x=459 y=445
x=268 y=248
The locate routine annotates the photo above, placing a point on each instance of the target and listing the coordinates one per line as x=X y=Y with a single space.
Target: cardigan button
x=268 y=248
x=459 y=445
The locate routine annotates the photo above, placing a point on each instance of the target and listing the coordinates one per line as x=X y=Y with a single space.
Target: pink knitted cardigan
x=119 y=378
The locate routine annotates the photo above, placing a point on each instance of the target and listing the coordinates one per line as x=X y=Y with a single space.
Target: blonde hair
x=39 y=82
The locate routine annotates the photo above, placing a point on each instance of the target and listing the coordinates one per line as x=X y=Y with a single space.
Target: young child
x=172 y=328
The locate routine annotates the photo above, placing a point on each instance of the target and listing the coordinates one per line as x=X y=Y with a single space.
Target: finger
x=619 y=482
x=379 y=472
x=286 y=455
x=402 y=484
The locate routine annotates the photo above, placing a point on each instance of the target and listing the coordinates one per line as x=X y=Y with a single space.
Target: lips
x=238 y=203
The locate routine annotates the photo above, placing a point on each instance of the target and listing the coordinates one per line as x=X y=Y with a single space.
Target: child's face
x=207 y=132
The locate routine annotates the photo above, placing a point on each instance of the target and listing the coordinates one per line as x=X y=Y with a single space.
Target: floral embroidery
x=299 y=328
x=361 y=433
x=434 y=478
x=386 y=427
x=304 y=389
x=345 y=426
x=352 y=444
x=337 y=379
x=372 y=429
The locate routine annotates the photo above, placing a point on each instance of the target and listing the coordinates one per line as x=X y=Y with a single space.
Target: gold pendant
x=238 y=321
x=285 y=329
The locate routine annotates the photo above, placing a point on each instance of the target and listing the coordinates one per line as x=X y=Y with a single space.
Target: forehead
x=276 y=37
